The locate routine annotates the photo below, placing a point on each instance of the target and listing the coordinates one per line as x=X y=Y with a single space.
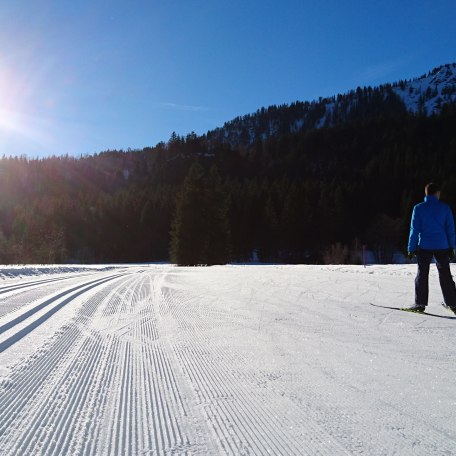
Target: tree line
x=307 y=196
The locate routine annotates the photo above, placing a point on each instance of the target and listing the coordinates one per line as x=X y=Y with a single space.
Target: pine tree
x=218 y=232
x=3 y=248
x=200 y=233
x=188 y=244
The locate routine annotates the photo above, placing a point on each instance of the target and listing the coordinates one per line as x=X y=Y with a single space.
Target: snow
x=239 y=360
x=297 y=125
x=442 y=84
x=20 y=271
x=329 y=109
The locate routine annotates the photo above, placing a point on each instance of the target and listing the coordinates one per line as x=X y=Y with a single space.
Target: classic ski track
x=16 y=297
x=136 y=372
x=20 y=284
x=31 y=385
x=38 y=306
x=156 y=429
x=168 y=437
x=52 y=305
x=128 y=444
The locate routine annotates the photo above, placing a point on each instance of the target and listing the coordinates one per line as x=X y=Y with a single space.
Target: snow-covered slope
x=233 y=360
x=425 y=95
x=429 y=92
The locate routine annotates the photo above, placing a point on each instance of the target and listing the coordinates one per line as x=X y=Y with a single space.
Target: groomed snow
x=238 y=360
x=21 y=271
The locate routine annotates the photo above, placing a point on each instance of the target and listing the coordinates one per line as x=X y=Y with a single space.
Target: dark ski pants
x=447 y=285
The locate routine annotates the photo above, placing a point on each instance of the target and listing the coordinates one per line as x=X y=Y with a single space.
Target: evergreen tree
x=291 y=192
x=188 y=243
x=218 y=232
x=3 y=248
x=200 y=232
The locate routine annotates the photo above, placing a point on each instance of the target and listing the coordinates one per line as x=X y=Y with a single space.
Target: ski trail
x=36 y=392
x=14 y=321
x=243 y=419
x=9 y=288
x=105 y=385
x=146 y=413
x=324 y=398
x=12 y=331
x=230 y=361
x=12 y=300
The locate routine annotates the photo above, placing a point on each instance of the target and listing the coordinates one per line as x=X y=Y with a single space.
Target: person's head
x=432 y=189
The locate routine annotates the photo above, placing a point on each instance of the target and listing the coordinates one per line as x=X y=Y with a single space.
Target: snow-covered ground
x=42 y=270
x=240 y=360
x=441 y=86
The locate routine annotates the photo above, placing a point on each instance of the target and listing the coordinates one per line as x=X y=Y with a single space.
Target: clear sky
x=82 y=76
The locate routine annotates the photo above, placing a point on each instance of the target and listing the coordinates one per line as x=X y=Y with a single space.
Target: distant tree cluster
x=200 y=232
x=295 y=196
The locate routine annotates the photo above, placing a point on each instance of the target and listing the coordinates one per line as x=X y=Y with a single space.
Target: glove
x=451 y=254
x=411 y=255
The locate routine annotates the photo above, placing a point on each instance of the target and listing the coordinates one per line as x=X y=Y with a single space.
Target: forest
x=305 y=196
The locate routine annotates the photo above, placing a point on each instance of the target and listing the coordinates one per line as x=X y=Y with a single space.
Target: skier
x=432 y=234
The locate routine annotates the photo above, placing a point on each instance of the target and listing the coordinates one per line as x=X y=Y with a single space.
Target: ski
x=404 y=309
x=448 y=308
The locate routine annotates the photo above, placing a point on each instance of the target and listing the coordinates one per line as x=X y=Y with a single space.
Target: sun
x=8 y=89
x=20 y=122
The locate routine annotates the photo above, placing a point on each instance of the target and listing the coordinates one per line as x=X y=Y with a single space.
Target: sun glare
x=15 y=120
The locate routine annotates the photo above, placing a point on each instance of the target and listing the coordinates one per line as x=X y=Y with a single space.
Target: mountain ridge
x=424 y=95
x=301 y=196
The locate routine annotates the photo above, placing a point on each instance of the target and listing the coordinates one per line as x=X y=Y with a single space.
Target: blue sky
x=83 y=76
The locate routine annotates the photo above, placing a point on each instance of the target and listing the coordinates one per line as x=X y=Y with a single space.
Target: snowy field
x=238 y=360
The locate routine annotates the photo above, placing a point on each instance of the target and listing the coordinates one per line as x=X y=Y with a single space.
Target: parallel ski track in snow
x=39 y=396
x=9 y=288
x=53 y=304
x=18 y=283
x=165 y=361
x=105 y=385
x=13 y=296
x=149 y=411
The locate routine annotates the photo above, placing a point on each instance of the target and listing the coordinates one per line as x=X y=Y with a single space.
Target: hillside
x=297 y=188
x=425 y=95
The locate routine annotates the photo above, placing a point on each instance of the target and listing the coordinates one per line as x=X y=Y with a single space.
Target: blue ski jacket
x=432 y=226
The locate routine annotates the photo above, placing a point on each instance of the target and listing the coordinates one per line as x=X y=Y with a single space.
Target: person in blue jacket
x=432 y=235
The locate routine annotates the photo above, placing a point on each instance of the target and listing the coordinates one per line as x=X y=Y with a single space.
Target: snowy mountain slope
x=283 y=360
x=430 y=92
x=425 y=95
